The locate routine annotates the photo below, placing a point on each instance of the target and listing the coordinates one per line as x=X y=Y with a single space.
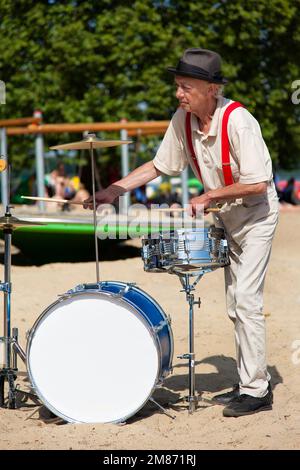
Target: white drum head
x=92 y=359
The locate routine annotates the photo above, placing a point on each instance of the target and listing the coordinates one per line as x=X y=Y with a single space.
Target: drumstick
x=50 y=199
x=66 y=201
x=182 y=209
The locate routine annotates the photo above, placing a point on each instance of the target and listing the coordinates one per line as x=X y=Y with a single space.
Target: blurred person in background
x=289 y=193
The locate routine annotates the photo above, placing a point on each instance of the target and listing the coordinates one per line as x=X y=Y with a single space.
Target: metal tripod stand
x=9 y=370
x=10 y=347
x=188 y=287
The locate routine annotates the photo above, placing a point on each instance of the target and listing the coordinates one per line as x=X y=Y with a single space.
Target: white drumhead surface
x=92 y=360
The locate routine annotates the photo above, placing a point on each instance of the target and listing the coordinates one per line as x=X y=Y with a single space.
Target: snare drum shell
x=186 y=250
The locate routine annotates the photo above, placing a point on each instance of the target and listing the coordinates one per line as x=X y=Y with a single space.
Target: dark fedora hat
x=200 y=63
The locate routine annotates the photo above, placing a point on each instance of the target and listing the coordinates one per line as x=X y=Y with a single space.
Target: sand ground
x=35 y=288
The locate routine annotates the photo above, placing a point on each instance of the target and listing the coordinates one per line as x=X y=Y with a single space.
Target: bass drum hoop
x=118 y=300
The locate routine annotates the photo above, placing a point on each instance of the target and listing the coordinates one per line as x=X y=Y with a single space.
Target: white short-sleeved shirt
x=249 y=156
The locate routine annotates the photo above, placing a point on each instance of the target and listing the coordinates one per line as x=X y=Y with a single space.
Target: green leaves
x=103 y=60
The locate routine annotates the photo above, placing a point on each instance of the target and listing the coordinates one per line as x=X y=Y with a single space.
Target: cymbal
x=91 y=141
x=10 y=222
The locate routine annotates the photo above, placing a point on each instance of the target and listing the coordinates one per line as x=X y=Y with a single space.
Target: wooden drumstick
x=66 y=201
x=50 y=199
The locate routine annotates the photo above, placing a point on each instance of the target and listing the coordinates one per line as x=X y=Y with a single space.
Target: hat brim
x=199 y=76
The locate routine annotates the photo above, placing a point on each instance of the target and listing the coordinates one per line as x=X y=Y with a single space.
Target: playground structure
x=33 y=125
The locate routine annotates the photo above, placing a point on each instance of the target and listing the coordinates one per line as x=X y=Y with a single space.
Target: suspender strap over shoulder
x=227 y=173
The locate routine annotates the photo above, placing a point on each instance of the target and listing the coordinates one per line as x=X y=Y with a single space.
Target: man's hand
x=105 y=196
x=198 y=203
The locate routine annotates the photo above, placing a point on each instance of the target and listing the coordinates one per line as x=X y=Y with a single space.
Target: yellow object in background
x=76 y=182
x=2 y=164
x=165 y=187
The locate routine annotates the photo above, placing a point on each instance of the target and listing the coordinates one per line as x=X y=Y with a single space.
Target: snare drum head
x=92 y=358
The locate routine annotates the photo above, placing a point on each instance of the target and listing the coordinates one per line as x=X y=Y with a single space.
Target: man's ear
x=210 y=89
x=213 y=90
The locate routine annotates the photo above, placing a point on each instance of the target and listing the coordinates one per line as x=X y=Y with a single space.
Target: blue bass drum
x=97 y=354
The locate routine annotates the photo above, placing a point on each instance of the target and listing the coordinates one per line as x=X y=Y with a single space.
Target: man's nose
x=179 y=93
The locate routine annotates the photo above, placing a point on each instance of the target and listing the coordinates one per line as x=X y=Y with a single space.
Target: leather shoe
x=228 y=397
x=248 y=405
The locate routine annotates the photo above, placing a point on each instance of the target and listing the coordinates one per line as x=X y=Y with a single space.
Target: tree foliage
x=103 y=60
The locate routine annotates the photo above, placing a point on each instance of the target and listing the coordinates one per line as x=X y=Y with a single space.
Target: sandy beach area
x=35 y=288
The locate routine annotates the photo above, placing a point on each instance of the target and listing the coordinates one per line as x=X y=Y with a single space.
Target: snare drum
x=186 y=250
x=97 y=354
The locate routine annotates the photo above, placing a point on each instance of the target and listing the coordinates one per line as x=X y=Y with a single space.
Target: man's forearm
x=236 y=191
x=138 y=177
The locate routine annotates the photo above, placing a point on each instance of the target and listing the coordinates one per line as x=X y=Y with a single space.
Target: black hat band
x=183 y=67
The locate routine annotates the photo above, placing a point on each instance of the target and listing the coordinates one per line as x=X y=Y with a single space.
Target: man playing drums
x=223 y=144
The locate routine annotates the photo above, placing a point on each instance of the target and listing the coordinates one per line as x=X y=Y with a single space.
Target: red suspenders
x=228 y=179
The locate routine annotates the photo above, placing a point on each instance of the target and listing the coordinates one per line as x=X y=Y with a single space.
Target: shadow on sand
x=72 y=252
x=176 y=386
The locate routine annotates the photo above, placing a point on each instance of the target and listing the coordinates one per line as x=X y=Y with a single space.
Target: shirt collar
x=221 y=102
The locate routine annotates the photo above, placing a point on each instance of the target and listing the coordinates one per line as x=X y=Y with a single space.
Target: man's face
x=193 y=94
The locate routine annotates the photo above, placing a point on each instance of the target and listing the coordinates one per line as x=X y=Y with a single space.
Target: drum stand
x=9 y=342
x=188 y=288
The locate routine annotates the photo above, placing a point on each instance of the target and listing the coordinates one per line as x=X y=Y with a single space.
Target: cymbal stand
x=9 y=342
x=8 y=372
x=94 y=206
x=188 y=288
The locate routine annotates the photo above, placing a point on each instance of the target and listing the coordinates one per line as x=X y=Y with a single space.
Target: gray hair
x=219 y=91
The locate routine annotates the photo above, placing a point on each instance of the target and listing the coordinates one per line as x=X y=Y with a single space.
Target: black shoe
x=228 y=397
x=247 y=405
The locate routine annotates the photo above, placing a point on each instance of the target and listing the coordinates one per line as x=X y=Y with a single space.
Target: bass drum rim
x=117 y=300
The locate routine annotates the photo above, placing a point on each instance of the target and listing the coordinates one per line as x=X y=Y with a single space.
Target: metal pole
x=39 y=162
x=125 y=168
x=40 y=171
x=184 y=187
x=192 y=396
x=188 y=288
x=94 y=211
x=4 y=174
x=7 y=297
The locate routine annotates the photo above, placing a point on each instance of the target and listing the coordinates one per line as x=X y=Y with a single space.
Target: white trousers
x=250 y=229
